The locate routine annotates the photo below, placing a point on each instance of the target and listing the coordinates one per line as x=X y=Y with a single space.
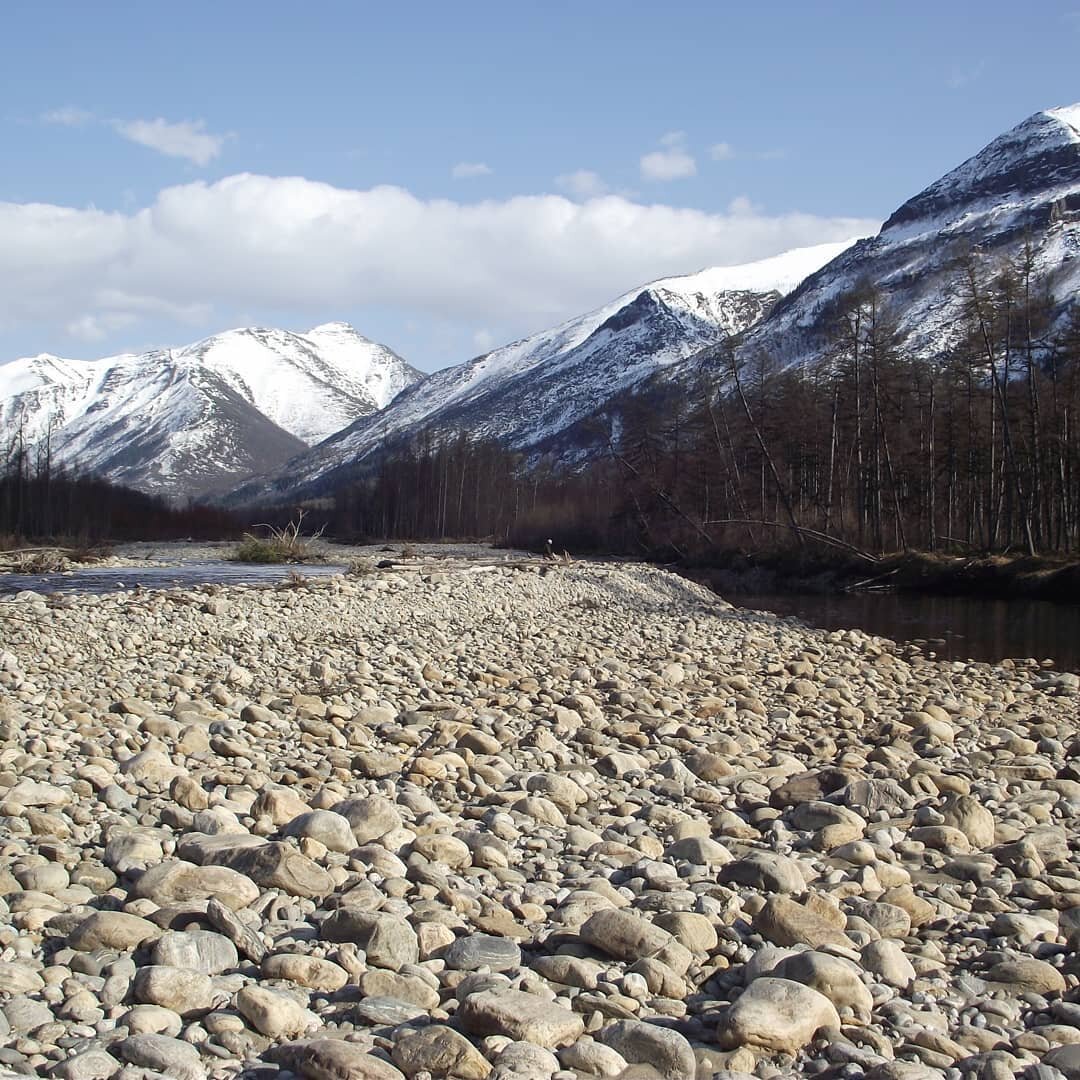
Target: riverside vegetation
x=541 y=823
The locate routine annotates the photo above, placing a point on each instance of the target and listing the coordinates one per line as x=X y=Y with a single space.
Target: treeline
x=425 y=489
x=871 y=450
x=39 y=502
x=977 y=451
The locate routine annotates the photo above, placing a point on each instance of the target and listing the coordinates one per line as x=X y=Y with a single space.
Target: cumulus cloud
x=185 y=139
x=213 y=251
x=674 y=162
x=467 y=170
x=582 y=184
x=722 y=151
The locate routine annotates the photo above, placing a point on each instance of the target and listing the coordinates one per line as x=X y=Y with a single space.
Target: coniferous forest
x=976 y=451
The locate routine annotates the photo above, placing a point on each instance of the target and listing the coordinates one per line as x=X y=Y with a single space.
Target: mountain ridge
x=189 y=420
x=523 y=392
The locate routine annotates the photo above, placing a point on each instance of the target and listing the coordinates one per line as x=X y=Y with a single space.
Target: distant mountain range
x=183 y=422
x=538 y=394
x=305 y=412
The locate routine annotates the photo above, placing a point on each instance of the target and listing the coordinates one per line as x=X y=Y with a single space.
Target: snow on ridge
x=1069 y=117
x=781 y=273
x=596 y=360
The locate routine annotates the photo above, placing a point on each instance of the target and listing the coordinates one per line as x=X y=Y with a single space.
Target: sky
x=450 y=177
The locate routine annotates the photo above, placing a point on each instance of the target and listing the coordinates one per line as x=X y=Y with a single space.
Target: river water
x=950 y=627
x=188 y=575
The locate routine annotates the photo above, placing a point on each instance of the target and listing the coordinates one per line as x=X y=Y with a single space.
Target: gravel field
x=542 y=823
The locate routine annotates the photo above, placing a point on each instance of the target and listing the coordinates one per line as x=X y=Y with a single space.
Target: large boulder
x=777 y=1015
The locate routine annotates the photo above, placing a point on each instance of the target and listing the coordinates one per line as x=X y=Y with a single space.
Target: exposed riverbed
x=524 y=823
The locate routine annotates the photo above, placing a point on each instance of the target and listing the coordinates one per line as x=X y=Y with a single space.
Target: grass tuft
x=285 y=545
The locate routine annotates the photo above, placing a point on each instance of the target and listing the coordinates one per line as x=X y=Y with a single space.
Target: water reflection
x=958 y=627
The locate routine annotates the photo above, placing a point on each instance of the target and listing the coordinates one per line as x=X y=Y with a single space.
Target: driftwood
x=814 y=534
x=870 y=582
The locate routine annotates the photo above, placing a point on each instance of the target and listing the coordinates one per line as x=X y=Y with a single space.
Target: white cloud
x=68 y=116
x=582 y=184
x=467 y=170
x=674 y=162
x=724 y=151
x=742 y=205
x=484 y=340
x=185 y=139
x=92 y=328
x=207 y=253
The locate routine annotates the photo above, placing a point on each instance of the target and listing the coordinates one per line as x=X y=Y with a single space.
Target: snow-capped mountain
x=186 y=421
x=1023 y=189
x=527 y=394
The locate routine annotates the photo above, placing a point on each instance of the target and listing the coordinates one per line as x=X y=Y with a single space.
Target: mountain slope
x=1021 y=189
x=529 y=392
x=186 y=421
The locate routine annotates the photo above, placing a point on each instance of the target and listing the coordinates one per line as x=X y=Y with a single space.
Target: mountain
x=1023 y=189
x=533 y=393
x=182 y=422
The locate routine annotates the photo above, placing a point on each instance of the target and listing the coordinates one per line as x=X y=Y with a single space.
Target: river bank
x=553 y=821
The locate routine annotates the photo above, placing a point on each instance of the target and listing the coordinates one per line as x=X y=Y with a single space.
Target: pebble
x=587 y=822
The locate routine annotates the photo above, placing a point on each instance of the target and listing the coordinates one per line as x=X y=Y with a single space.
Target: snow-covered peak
x=1034 y=162
x=780 y=274
x=708 y=289
x=530 y=392
x=219 y=408
x=335 y=329
x=1069 y=117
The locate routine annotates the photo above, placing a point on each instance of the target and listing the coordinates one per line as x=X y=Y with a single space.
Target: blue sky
x=448 y=177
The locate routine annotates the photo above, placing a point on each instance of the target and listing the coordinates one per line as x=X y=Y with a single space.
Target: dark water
x=953 y=627
x=158 y=577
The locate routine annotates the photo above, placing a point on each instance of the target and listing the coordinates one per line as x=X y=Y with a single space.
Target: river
x=950 y=627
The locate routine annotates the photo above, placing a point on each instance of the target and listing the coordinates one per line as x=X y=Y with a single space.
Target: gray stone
x=176 y=881
x=196 y=950
x=482 y=950
x=275 y=1013
x=185 y=992
x=665 y=1050
x=172 y=1057
x=387 y=940
x=440 y=1051
x=766 y=871
x=776 y=1015
x=520 y=1016
x=89 y=1065
x=333 y=1059
x=328 y=828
